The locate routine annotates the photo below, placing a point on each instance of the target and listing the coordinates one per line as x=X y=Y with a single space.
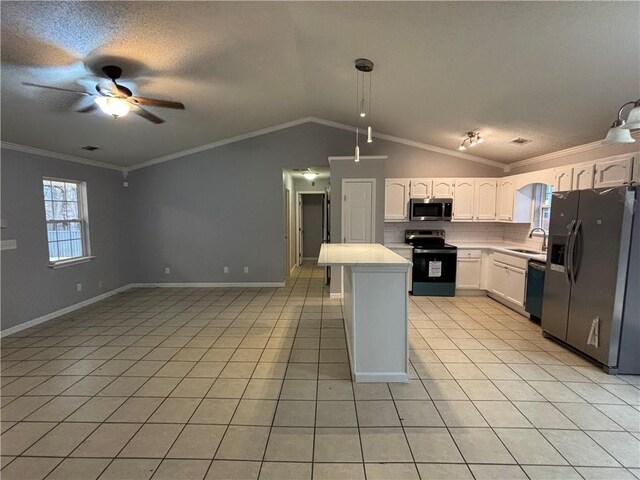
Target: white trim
x=71 y=262
x=220 y=143
x=319 y=121
x=209 y=285
x=63 y=311
x=395 y=377
x=567 y=151
x=362 y=157
x=335 y=295
x=60 y=156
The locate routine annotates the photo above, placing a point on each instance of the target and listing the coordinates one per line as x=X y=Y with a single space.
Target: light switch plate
x=9 y=245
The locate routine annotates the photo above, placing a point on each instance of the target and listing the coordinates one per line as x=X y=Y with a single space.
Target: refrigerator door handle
x=567 y=249
x=572 y=251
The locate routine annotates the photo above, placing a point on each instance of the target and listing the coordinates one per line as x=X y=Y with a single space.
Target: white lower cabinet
x=469 y=270
x=508 y=278
x=514 y=288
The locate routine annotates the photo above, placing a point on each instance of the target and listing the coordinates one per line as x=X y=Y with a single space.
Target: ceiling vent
x=519 y=141
x=90 y=148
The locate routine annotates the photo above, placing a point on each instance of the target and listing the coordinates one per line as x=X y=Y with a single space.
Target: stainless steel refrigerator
x=592 y=284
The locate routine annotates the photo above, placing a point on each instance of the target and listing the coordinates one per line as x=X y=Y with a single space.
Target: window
x=66 y=213
x=542 y=213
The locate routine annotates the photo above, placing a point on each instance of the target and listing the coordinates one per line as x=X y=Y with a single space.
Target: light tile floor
x=254 y=383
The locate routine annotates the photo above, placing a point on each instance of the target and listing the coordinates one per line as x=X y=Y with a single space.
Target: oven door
x=434 y=272
x=425 y=209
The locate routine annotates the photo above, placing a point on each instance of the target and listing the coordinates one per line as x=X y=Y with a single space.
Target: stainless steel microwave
x=433 y=209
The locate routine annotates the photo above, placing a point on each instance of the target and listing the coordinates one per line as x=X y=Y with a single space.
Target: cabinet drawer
x=469 y=253
x=517 y=262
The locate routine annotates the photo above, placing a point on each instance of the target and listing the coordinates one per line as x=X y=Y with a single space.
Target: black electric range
x=434 y=263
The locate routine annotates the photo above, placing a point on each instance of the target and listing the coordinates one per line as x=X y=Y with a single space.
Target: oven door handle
x=435 y=250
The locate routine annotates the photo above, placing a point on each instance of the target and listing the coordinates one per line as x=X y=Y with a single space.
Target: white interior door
x=358 y=210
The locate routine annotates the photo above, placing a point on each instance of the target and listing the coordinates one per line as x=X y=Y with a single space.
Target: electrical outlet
x=79 y=287
x=100 y=284
x=226 y=269
x=167 y=270
x=246 y=269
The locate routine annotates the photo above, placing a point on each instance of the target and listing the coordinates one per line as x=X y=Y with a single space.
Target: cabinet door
x=497 y=279
x=442 y=188
x=613 y=173
x=463 y=191
x=506 y=198
x=420 y=188
x=396 y=199
x=514 y=286
x=469 y=272
x=583 y=177
x=485 y=200
x=563 y=179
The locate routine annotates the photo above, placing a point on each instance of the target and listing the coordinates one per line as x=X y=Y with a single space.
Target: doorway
x=312 y=224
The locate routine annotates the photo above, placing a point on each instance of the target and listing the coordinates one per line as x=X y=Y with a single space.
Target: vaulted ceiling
x=552 y=72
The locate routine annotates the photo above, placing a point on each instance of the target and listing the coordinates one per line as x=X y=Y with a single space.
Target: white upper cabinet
x=563 y=179
x=506 y=193
x=463 y=196
x=583 y=177
x=613 y=173
x=420 y=188
x=485 y=199
x=442 y=188
x=396 y=199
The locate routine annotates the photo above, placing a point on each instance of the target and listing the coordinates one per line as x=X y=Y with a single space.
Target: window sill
x=73 y=261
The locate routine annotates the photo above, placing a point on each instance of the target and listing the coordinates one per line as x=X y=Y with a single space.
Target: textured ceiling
x=552 y=72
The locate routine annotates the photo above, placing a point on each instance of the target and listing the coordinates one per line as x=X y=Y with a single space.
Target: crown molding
x=60 y=156
x=567 y=151
x=319 y=121
x=411 y=143
x=220 y=143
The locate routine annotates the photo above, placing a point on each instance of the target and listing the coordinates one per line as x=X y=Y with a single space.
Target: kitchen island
x=375 y=305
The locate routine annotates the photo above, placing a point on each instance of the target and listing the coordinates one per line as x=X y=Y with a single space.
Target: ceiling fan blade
x=79 y=92
x=88 y=108
x=147 y=115
x=154 y=102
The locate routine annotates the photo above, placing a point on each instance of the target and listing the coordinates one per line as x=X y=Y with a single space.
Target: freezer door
x=557 y=287
x=600 y=244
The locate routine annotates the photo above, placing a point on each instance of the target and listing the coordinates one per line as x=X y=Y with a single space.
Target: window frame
x=82 y=219
x=540 y=205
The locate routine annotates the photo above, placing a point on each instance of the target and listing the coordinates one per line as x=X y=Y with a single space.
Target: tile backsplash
x=467 y=232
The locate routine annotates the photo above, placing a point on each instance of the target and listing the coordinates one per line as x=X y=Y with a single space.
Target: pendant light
x=363 y=67
x=620 y=131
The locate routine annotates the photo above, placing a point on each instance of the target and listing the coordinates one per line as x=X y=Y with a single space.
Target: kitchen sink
x=524 y=250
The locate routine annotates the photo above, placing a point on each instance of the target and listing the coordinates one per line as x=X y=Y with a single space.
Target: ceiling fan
x=117 y=100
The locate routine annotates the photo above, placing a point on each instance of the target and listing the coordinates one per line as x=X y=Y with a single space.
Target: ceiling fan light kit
x=117 y=100
x=364 y=67
x=310 y=175
x=620 y=130
x=473 y=139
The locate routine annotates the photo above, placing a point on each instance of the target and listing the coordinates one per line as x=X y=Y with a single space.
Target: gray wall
x=30 y=289
x=312 y=205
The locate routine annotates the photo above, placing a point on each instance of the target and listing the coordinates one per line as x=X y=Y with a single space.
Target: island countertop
x=360 y=255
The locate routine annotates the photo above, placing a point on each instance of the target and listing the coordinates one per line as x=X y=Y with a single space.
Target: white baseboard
x=63 y=311
x=89 y=301
x=395 y=377
x=335 y=295
x=209 y=285
x=462 y=292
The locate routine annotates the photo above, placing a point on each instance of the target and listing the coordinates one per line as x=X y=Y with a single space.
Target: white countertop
x=359 y=254
x=502 y=247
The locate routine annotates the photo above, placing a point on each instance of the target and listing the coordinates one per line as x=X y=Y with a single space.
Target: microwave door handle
x=575 y=262
x=567 y=249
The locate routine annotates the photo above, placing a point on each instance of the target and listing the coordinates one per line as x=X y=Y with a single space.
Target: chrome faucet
x=544 y=238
